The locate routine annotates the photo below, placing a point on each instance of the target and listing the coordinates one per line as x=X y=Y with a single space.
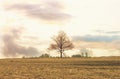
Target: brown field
x=56 y=68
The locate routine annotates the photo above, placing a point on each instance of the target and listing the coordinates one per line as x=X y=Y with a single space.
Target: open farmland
x=56 y=68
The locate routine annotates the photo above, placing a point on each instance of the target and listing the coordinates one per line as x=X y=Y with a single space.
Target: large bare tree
x=61 y=43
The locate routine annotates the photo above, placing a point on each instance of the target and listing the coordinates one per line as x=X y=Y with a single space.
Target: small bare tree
x=86 y=52
x=61 y=43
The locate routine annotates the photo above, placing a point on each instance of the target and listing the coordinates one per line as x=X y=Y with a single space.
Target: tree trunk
x=61 y=54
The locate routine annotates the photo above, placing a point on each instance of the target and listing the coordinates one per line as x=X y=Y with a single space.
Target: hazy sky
x=27 y=25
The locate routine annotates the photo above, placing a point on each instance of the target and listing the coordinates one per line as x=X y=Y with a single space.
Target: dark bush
x=76 y=56
x=45 y=56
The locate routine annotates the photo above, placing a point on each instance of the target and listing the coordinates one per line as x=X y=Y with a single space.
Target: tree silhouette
x=61 y=43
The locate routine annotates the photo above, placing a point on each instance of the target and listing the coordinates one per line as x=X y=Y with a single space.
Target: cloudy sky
x=27 y=26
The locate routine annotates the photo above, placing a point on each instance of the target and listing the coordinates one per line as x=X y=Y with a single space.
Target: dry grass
x=55 y=68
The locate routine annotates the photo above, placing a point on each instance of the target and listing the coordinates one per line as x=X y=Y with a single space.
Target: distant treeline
x=48 y=56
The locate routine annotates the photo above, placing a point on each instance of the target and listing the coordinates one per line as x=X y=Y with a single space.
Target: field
x=56 y=68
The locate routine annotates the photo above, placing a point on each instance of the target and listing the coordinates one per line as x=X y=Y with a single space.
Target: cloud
x=47 y=10
x=113 y=32
x=91 y=38
x=116 y=44
x=107 y=32
x=12 y=48
x=100 y=48
x=98 y=42
x=84 y=44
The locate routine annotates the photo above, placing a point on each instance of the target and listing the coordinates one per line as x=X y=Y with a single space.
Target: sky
x=27 y=26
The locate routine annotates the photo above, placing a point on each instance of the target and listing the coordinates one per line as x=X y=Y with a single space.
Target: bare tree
x=61 y=43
